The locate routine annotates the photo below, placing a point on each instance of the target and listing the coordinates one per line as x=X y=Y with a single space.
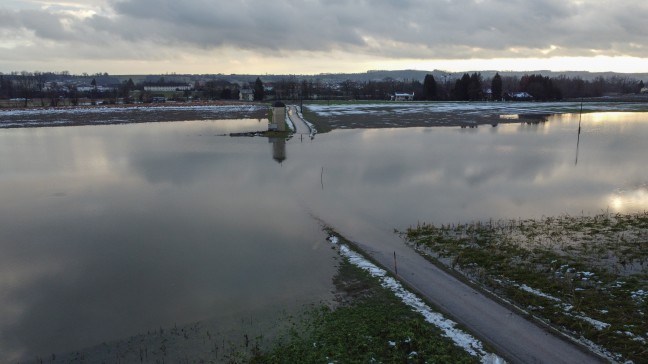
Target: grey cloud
x=432 y=28
x=43 y=24
x=388 y=28
x=8 y=19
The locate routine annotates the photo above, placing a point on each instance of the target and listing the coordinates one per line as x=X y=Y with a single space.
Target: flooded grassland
x=354 y=115
x=586 y=275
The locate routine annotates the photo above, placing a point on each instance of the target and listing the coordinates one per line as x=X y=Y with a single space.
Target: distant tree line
x=48 y=88
x=469 y=87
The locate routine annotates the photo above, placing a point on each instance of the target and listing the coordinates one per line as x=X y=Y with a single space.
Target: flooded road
x=108 y=231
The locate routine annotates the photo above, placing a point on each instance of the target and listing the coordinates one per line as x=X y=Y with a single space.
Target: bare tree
x=26 y=85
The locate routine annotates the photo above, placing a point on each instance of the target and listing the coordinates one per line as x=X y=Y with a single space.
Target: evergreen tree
x=258 y=90
x=430 y=87
x=541 y=88
x=305 y=89
x=475 y=92
x=461 y=88
x=496 y=87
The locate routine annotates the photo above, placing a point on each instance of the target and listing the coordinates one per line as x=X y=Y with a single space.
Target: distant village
x=49 y=89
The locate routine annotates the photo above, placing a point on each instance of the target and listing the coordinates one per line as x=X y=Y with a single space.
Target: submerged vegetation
x=585 y=275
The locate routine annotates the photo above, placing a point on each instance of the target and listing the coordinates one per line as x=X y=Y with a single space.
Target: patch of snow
x=536 y=292
x=639 y=296
x=601 y=351
x=290 y=124
x=633 y=336
x=599 y=325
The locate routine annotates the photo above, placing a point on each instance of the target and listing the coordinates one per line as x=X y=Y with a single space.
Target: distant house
x=85 y=88
x=644 y=90
x=488 y=94
x=246 y=94
x=402 y=96
x=168 y=87
x=518 y=96
x=88 y=88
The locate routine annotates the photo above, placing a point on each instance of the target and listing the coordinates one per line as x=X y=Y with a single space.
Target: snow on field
x=461 y=338
x=119 y=109
x=599 y=325
x=502 y=108
x=567 y=308
x=526 y=288
x=124 y=114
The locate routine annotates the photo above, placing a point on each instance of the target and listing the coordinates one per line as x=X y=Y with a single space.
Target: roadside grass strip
x=462 y=339
x=290 y=124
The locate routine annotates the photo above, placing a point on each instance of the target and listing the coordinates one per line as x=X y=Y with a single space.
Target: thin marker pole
x=580 y=118
x=395 y=265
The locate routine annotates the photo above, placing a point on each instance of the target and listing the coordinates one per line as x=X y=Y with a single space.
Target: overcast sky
x=314 y=36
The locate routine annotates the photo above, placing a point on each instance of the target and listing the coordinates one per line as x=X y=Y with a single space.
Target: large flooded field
x=111 y=231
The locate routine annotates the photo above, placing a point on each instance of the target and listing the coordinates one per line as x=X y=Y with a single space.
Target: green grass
x=320 y=123
x=590 y=267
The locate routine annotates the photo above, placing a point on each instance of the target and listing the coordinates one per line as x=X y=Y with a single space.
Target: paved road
x=513 y=337
x=300 y=125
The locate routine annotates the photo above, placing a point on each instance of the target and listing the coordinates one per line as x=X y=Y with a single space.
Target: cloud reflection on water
x=108 y=231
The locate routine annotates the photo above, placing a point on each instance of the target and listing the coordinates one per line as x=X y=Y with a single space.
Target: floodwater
x=109 y=231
